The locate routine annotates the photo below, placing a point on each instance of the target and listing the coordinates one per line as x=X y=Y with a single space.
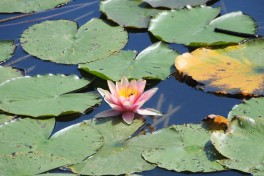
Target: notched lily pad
x=28 y=149
x=155 y=62
x=193 y=151
x=195 y=27
x=128 y=13
x=175 y=4
x=28 y=6
x=46 y=96
x=7 y=49
x=234 y=70
x=242 y=144
x=61 y=41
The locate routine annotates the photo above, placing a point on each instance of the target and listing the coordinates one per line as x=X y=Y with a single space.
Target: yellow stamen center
x=127 y=92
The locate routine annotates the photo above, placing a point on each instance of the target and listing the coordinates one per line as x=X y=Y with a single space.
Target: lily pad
x=45 y=96
x=252 y=108
x=195 y=27
x=127 y=13
x=119 y=149
x=29 y=163
x=175 y=4
x=233 y=70
x=155 y=62
x=28 y=6
x=5 y=118
x=8 y=73
x=61 y=41
x=7 y=49
x=242 y=144
x=193 y=151
x=26 y=146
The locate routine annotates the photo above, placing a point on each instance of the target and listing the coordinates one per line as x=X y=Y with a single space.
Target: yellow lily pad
x=234 y=70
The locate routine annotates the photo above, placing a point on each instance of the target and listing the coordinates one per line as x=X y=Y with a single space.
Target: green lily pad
x=29 y=163
x=252 y=108
x=155 y=62
x=45 y=96
x=237 y=69
x=175 y=4
x=255 y=168
x=128 y=13
x=242 y=144
x=119 y=149
x=61 y=41
x=28 y=6
x=26 y=146
x=195 y=27
x=7 y=49
x=8 y=73
x=193 y=151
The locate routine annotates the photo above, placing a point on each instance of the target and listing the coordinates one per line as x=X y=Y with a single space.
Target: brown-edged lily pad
x=237 y=69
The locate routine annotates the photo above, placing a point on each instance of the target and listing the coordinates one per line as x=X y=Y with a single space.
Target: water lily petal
x=133 y=98
x=144 y=97
x=114 y=99
x=141 y=86
x=127 y=105
x=116 y=107
x=103 y=92
x=128 y=117
x=107 y=96
x=107 y=113
x=124 y=82
x=133 y=84
x=112 y=88
x=148 y=111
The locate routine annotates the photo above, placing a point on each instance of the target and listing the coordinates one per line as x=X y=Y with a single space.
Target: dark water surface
x=180 y=102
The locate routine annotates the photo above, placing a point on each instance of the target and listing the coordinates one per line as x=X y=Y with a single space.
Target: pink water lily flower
x=127 y=98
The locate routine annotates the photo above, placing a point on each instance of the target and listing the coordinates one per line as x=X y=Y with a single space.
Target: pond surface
x=180 y=102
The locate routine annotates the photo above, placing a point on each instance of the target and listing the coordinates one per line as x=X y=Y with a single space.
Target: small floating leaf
x=193 y=151
x=7 y=49
x=26 y=146
x=237 y=69
x=28 y=6
x=128 y=13
x=175 y=4
x=252 y=108
x=8 y=73
x=61 y=41
x=242 y=144
x=45 y=96
x=195 y=27
x=155 y=62
x=215 y=122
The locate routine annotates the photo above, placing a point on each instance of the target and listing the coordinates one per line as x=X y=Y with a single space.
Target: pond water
x=180 y=102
